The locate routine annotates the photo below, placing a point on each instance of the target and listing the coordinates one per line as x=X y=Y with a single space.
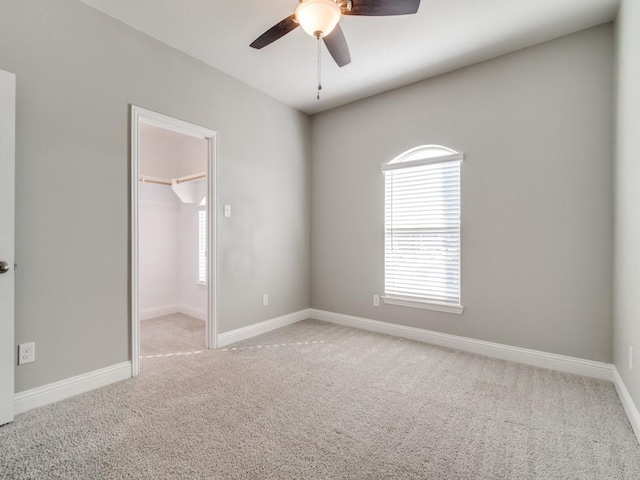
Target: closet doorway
x=173 y=224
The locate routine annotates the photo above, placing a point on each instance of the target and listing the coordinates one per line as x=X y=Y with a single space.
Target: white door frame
x=139 y=116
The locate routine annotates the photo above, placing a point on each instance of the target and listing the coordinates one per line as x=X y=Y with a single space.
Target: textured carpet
x=177 y=333
x=319 y=401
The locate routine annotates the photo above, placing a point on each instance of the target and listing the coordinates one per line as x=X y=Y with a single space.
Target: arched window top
x=423 y=155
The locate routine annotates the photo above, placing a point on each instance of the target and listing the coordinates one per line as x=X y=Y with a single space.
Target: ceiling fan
x=319 y=18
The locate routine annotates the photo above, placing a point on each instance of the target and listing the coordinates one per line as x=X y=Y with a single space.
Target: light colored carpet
x=319 y=401
x=177 y=333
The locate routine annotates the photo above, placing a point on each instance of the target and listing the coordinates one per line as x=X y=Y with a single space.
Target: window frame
x=416 y=157
x=202 y=210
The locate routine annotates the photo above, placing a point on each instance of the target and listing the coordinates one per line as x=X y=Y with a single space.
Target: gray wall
x=627 y=202
x=77 y=72
x=536 y=130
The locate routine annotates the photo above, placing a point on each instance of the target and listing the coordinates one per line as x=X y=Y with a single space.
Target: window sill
x=438 y=307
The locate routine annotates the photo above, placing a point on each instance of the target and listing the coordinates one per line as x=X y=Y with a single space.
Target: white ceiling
x=386 y=52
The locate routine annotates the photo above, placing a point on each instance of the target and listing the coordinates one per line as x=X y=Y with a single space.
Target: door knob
x=4 y=267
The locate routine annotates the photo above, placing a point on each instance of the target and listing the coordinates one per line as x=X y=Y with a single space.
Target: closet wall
x=168 y=227
x=159 y=214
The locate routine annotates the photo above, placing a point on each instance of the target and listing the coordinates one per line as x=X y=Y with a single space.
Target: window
x=202 y=245
x=422 y=229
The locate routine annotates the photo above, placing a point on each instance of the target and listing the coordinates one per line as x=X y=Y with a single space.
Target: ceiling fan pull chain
x=319 y=68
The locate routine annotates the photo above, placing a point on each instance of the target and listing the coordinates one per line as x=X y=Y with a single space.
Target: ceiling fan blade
x=337 y=46
x=383 y=7
x=279 y=30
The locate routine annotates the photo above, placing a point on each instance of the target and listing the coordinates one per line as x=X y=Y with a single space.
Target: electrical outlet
x=26 y=353
x=376 y=300
x=265 y=300
x=630 y=358
x=227 y=211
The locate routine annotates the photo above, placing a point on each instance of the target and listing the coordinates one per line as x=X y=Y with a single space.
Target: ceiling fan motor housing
x=318 y=17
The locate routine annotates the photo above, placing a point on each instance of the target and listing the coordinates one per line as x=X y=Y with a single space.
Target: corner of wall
x=627 y=202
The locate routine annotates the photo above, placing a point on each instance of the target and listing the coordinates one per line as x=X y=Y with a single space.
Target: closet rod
x=159 y=181
x=189 y=178
x=162 y=181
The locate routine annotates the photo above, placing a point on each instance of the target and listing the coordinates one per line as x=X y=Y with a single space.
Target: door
x=7 y=220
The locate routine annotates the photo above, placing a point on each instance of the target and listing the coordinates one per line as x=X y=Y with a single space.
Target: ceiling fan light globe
x=318 y=17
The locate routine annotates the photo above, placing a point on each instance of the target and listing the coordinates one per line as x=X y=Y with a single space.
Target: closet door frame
x=143 y=116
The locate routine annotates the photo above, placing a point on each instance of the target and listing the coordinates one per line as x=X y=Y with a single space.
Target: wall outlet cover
x=26 y=353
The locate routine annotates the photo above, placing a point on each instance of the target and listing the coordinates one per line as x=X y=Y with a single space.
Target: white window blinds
x=422 y=227
x=202 y=245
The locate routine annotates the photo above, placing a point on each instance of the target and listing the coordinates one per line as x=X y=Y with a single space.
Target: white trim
x=202 y=249
x=627 y=402
x=423 y=161
x=199 y=313
x=180 y=126
x=54 y=392
x=438 y=307
x=536 y=358
x=135 y=206
x=250 y=331
x=154 y=312
x=140 y=115
x=211 y=326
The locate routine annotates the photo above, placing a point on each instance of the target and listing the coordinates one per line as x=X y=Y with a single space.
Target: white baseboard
x=199 y=313
x=627 y=402
x=154 y=312
x=54 y=392
x=552 y=361
x=250 y=331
